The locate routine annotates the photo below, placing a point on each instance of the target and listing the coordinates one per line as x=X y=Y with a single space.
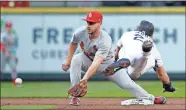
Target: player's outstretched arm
x=71 y=51
x=162 y=75
x=164 y=78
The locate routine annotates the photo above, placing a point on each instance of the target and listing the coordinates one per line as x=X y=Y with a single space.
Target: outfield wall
x=44 y=35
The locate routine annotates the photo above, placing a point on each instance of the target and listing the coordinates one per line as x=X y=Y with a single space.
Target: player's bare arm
x=164 y=78
x=116 y=52
x=94 y=66
x=71 y=51
x=162 y=75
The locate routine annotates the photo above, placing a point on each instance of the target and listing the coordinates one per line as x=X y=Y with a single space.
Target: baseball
x=18 y=81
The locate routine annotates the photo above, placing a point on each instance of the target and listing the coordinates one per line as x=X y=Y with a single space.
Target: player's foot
x=147 y=46
x=124 y=63
x=75 y=101
x=121 y=63
x=160 y=100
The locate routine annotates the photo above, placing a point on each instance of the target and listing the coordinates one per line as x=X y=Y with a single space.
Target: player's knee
x=76 y=60
x=135 y=76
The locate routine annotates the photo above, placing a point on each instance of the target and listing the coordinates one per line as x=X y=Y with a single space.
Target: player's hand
x=168 y=87
x=80 y=89
x=65 y=66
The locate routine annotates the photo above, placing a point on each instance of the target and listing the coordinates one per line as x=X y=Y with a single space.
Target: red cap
x=94 y=16
x=8 y=25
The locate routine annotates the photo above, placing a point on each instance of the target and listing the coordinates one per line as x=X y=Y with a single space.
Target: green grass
x=95 y=89
x=26 y=107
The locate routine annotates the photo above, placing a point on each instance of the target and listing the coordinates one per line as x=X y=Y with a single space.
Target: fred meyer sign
x=44 y=39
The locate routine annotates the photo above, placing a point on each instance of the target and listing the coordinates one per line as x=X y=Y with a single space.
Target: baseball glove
x=79 y=90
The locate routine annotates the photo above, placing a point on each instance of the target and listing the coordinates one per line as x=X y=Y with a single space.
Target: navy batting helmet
x=146 y=26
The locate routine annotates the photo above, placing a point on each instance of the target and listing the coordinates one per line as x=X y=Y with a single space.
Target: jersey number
x=138 y=37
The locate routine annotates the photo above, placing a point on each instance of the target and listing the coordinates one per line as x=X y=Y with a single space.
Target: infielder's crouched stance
x=97 y=54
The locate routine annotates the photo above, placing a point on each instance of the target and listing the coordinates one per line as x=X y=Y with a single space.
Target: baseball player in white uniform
x=97 y=54
x=10 y=41
x=140 y=50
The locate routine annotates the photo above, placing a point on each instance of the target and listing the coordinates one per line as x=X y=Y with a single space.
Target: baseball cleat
x=160 y=100
x=122 y=63
x=147 y=46
x=75 y=101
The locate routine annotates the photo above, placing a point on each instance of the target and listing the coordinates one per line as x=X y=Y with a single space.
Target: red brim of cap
x=89 y=20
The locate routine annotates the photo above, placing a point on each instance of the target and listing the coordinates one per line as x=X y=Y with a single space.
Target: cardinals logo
x=91 y=53
x=82 y=46
x=83 y=49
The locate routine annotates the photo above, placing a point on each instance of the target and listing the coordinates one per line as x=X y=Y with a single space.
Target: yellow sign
x=109 y=10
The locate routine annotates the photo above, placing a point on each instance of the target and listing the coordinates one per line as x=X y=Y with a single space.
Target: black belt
x=88 y=57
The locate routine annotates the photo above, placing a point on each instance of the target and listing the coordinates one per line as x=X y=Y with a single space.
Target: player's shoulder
x=131 y=33
x=105 y=36
x=127 y=35
x=80 y=30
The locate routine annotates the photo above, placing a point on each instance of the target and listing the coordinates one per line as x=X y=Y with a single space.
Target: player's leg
x=79 y=63
x=13 y=66
x=123 y=80
x=138 y=66
x=3 y=64
x=140 y=62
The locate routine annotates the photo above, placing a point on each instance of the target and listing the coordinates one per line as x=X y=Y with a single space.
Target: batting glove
x=168 y=87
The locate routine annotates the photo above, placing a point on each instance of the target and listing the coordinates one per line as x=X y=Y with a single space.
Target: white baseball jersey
x=101 y=46
x=131 y=48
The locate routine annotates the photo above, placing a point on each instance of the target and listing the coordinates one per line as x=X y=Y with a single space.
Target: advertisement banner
x=44 y=39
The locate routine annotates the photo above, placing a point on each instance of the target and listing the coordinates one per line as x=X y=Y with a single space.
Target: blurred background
x=44 y=30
